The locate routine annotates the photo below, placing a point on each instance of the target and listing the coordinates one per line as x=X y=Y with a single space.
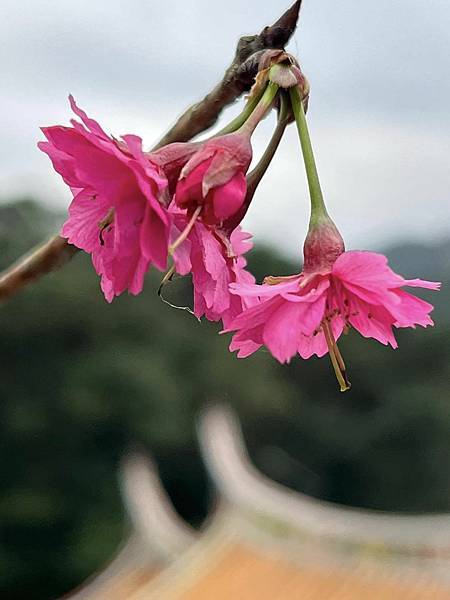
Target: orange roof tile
x=243 y=573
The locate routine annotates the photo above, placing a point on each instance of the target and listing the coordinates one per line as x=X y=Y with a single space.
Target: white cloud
x=379 y=105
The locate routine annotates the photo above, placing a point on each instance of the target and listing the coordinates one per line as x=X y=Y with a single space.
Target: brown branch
x=237 y=79
x=45 y=258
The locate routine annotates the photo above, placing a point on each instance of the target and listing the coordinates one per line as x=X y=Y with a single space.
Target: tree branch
x=47 y=257
x=237 y=79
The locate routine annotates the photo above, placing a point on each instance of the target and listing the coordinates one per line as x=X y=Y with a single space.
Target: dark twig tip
x=278 y=34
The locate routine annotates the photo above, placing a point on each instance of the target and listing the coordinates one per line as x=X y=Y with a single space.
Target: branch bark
x=47 y=257
x=237 y=79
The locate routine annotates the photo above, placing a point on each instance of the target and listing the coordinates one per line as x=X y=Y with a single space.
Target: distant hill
x=82 y=380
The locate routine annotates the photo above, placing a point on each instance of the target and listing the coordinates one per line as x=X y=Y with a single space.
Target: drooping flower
x=306 y=314
x=208 y=206
x=118 y=213
x=214 y=178
x=212 y=183
x=207 y=240
x=215 y=260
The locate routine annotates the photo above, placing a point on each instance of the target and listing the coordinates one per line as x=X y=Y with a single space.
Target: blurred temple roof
x=266 y=542
x=158 y=538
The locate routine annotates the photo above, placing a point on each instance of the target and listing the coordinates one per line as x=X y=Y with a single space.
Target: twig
x=47 y=257
x=237 y=79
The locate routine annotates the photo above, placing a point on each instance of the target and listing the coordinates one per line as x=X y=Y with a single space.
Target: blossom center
x=104 y=224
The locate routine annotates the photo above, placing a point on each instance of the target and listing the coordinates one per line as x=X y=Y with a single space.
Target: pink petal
x=154 y=238
x=222 y=169
x=213 y=258
x=241 y=241
x=92 y=166
x=371 y=321
x=382 y=295
x=245 y=347
x=172 y=158
x=312 y=345
x=310 y=293
x=146 y=171
x=85 y=213
x=282 y=331
x=62 y=163
x=227 y=199
x=232 y=153
x=189 y=189
x=367 y=270
x=429 y=285
x=90 y=123
x=265 y=290
x=412 y=311
x=255 y=316
x=201 y=157
x=182 y=256
x=312 y=314
x=316 y=344
x=137 y=278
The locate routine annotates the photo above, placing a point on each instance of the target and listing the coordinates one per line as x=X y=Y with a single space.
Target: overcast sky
x=379 y=111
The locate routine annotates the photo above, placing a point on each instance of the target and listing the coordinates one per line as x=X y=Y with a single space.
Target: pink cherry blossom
x=214 y=178
x=306 y=314
x=215 y=261
x=172 y=158
x=118 y=213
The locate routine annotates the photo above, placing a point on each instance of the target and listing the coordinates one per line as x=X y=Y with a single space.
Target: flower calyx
x=282 y=69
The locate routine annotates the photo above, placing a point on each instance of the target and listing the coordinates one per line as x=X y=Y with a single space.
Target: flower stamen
x=104 y=224
x=275 y=280
x=187 y=230
x=336 y=358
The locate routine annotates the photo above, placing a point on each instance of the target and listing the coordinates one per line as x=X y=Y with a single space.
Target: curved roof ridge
x=159 y=534
x=244 y=486
x=150 y=508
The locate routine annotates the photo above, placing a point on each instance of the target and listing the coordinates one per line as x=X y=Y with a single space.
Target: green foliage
x=82 y=381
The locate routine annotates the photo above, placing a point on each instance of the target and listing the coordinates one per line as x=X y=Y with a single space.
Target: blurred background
x=82 y=381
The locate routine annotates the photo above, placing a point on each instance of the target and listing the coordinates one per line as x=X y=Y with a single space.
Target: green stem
x=255 y=176
x=238 y=121
x=260 y=110
x=318 y=208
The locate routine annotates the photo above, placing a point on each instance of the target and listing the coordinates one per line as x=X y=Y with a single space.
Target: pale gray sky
x=379 y=111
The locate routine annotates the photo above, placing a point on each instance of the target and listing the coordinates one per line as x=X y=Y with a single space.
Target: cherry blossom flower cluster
x=179 y=209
